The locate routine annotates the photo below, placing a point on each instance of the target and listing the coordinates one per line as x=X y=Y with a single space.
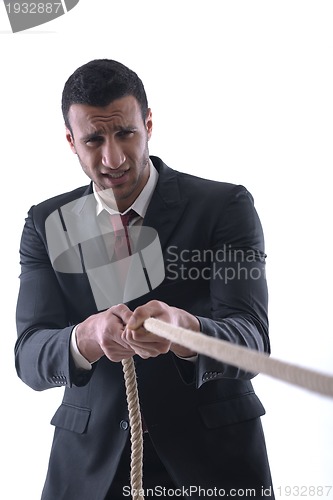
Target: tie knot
x=126 y=218
x=122 y=243
x=120 y=222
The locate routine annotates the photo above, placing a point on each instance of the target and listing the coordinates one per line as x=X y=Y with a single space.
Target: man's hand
x=146 y=344
x=102 y=334
x=118 y=333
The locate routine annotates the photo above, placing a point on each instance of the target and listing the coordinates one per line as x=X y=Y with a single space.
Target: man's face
x=112 y=146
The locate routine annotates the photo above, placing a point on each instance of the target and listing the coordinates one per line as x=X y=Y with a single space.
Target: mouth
x=116 y=175
x=116 y=178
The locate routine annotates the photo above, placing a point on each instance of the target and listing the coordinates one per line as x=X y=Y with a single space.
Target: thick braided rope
x=243 y=357
x=135 y=428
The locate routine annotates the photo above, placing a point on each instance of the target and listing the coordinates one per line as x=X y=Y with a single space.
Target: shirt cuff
x=80 y=361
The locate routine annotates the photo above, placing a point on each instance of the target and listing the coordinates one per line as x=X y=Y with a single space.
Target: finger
x=114 y=338
x=152 y=349
x=122 y=312
x=117 y=352
x=139 y=335
x=146 y=353
x=150 y=343
x=116 y=357
x=141 y=313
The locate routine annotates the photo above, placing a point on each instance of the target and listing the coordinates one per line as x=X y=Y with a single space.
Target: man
x=201 y=417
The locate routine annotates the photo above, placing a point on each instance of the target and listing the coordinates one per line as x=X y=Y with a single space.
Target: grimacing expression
x=111 y=143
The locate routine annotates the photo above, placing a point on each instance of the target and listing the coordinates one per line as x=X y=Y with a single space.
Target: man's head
x=108 y=126
x=100 y=82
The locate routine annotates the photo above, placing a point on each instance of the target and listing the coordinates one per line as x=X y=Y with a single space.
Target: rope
x=135 y=428
x=242 y=357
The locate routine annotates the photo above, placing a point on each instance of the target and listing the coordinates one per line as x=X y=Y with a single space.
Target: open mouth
x=117 y=175
x=115 y=178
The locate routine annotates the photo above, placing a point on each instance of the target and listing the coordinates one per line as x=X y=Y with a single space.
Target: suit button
x=124 y=425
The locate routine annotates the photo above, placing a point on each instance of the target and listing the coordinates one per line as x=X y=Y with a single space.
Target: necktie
x=122 y=243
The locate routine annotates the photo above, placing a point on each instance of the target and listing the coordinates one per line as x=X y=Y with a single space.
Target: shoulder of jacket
x=195 y=180
x=43 y=209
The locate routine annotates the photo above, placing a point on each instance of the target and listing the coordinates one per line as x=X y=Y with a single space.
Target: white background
x=241 y=91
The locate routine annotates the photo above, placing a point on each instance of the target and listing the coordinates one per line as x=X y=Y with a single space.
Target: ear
x=149 y=123
x=70 y=140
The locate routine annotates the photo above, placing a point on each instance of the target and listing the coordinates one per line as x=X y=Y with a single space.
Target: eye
x=95 y=139
x=124 y=133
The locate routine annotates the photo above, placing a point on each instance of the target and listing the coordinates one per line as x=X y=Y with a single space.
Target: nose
x=112 y=155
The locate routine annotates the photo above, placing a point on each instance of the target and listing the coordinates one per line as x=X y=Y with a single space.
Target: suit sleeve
x=238 y=287
x=42 y=350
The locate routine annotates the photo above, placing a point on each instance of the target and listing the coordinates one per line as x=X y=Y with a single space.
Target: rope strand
x=242 y=357
x=135 y=428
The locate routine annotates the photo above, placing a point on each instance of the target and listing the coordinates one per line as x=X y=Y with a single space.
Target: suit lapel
x=166 y=206
x=103 y=275
x=81 y=222
x=164 y=211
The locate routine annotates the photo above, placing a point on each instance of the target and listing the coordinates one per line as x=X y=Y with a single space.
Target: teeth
x=116 y=176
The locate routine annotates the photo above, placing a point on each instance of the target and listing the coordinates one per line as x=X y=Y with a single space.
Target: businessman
x=85 y=294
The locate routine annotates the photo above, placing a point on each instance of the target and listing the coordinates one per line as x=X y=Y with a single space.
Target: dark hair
x=100 y=82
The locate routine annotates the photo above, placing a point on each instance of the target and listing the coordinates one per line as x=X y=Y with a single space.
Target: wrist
x=86 y=343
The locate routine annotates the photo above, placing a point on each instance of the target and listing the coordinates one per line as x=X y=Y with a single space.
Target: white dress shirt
x=140 y=206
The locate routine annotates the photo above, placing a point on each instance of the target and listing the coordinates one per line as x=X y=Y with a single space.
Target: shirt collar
x=141 y=203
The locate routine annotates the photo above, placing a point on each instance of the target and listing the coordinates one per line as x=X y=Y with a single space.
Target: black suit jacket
x=199 y=414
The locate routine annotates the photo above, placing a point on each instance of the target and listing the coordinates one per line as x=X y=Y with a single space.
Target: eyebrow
x=101 y=132
x=92 y=135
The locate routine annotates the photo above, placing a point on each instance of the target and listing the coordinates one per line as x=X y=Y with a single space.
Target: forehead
x=121 y=112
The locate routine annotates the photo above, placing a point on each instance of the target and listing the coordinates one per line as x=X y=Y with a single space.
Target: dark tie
x=122 y=244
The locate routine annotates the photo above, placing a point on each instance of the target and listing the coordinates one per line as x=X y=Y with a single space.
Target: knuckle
x=154 y=303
